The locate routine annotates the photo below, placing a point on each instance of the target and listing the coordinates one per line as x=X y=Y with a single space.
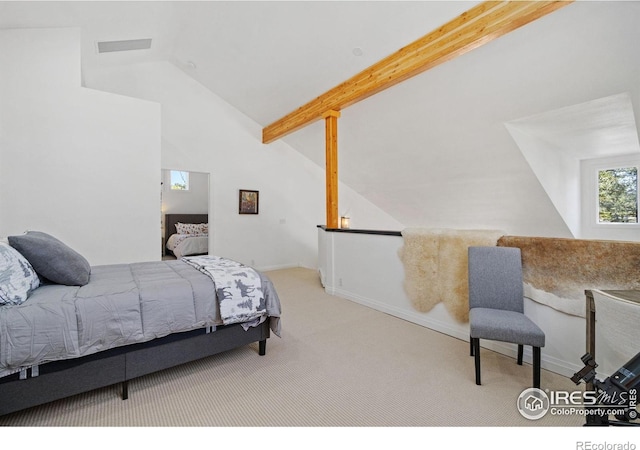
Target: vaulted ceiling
x=265 y=58
x=433 y=133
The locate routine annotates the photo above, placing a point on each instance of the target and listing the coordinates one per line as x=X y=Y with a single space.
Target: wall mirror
x=184 y=204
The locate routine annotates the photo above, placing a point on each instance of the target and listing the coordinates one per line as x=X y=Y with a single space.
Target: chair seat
x=506 y=326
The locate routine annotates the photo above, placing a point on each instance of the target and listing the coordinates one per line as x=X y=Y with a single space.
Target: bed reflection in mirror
x=185 y=212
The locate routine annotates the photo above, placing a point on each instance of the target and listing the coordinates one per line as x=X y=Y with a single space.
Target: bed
x=186 y=234
x=106 y=325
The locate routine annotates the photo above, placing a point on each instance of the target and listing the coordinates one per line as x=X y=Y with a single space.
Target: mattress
x=185 y=245
x=121 y=305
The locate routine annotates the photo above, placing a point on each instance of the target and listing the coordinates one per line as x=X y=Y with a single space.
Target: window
x=179 y=180
x=610 y=198
x=618 y=195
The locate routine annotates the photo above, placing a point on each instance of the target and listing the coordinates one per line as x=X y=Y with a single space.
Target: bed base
x=60 y=379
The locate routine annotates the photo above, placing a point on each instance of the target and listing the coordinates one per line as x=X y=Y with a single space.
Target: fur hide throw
x=436 y=266
x=557 y=271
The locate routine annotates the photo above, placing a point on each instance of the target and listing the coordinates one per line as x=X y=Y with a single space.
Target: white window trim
x=591 y=227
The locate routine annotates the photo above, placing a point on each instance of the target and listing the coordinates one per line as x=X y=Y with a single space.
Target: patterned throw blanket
x=238 y=287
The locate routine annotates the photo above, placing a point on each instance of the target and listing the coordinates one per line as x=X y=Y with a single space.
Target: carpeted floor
x=338 y=364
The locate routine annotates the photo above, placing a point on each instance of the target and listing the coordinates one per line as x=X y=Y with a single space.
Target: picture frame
x=248 y=202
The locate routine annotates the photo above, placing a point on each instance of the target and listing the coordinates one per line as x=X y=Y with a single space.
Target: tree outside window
x=618 y=195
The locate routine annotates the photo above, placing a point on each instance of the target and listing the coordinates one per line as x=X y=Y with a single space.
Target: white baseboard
x=277 y=267
x=547 y=362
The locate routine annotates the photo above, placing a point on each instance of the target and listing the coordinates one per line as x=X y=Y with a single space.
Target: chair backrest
x=495 y=278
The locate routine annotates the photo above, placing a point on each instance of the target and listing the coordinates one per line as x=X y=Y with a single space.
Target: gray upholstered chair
x=496 y=304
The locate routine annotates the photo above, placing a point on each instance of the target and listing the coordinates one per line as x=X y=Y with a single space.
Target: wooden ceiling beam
x=475 y=27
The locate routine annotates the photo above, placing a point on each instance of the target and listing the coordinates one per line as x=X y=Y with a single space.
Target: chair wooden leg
x=520 y=350
x=476 y=353
x=470 y=346
x=536 y=367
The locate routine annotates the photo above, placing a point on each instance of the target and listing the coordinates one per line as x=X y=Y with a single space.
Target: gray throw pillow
x=52 y=259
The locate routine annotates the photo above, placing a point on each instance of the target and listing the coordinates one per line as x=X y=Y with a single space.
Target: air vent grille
x=122 y=46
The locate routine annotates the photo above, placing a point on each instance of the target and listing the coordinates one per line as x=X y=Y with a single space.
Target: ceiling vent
x=123 y=46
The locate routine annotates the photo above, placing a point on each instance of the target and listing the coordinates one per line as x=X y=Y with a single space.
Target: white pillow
x=194 y=229
x=17 y=277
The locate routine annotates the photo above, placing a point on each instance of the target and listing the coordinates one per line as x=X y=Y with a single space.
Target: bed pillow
x=194 y=229
x=52 y=259
x=17 y=277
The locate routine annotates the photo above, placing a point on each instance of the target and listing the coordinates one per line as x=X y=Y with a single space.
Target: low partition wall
x=365 y=266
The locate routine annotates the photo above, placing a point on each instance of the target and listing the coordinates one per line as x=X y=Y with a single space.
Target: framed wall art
x=248 y=203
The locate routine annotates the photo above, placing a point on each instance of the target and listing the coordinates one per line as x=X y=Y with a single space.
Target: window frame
x=591 y=194
x=188 y=180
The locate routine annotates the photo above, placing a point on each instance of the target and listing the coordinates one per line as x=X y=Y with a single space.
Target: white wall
x=79 y=164
x=201 y=132
x=558 y=173
x=377 y=281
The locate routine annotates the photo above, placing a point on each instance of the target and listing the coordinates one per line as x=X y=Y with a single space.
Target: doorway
x=185 y=193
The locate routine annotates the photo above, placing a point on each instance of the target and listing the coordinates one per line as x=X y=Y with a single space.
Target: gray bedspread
x=122 y=304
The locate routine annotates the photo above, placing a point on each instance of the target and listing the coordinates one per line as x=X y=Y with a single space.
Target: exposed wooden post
x=331 y=162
